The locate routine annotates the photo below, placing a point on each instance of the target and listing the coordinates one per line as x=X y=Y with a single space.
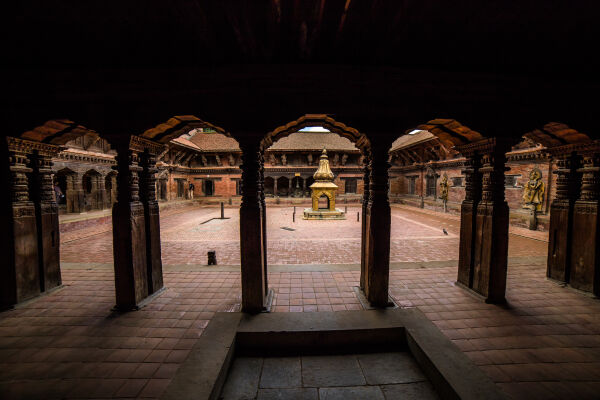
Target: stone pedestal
x=129 y=233
x=468 y=213
x=377 y=230
x=46 y=210
x=19 y=275
x=585 y=246
x=254 y=279
x=568 y=183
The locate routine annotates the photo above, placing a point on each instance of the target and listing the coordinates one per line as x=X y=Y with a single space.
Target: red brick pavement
x=415 y=236
x=544 y=344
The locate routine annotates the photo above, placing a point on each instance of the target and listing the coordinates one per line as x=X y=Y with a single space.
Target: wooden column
x=254 y=282
x=75 y=195
x=263 y=209
x=468 y=213
x=363 y=235
x=585 y=245
x=568 y=184
x=101 y=193
x=19 y=275
x=377 y=229
x=151 y=212
x=129 y=231
x=491 y=228
x=275 y=187
x=46 y=212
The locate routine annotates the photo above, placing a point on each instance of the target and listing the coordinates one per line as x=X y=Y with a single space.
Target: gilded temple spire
x=323 y=173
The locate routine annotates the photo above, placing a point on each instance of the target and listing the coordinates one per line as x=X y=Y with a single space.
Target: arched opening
x=323 y=202
x=269 y=186
x=283 y=186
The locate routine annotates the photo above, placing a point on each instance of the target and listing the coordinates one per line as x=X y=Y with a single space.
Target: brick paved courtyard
x=544 y=344
x=188 y=235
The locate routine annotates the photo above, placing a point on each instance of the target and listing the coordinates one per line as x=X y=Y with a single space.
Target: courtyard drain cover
x=287 y=229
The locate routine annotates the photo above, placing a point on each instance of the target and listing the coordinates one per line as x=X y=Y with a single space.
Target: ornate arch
x=451 y=132
x=177 y=126
x=359 y=139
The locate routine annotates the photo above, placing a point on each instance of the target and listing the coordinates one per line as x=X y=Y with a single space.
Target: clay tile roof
x=556 y=134
x=313 y=141
x=185 y=142
x=214 y=142
x=405 y=141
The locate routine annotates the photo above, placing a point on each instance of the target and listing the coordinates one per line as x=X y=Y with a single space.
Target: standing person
x=58 y=194
x=191 y=191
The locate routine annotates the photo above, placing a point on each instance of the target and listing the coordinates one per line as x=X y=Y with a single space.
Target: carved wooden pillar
x=568 y=183
x=46 y=211
x=491 y=228
x=585 y=246
x=254 y=282
x=75 y=187
x=101 y=192
x=377 y=229
x=263 y=206
x=275 y=187
x=151 y=215
x=19 y=275
x=129 y=231
x=289 y=194
x=363 y=241
x=468 y=213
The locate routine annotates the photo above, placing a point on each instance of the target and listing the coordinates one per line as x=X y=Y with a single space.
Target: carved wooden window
x=510 y=181
x=431 y=187
x=457 y=181
x=412 y=185
x=350 y=185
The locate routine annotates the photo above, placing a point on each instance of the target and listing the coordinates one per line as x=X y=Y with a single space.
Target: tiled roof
x=313 y=141
x=185 y=142
x=408 y=140
x=214 y=142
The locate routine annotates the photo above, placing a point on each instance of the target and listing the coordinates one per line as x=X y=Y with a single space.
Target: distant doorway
x=209 y=187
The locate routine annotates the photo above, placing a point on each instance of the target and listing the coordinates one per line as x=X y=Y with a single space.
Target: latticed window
x=412 y=185
x=431 y=189
x=350 y=185
x=510 y=180
x=457 y=181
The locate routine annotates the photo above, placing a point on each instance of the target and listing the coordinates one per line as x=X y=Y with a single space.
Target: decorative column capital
x=590 y=168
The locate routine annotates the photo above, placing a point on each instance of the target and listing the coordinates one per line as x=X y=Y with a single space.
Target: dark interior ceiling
x=129 y=65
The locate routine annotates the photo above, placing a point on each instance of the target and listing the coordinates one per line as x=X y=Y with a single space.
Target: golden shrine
x=323 y=187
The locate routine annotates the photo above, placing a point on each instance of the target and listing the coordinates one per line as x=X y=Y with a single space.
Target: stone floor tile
x=243 y=379
x=288 y=394
x=388 y=368
x=351 y=393
x=281 y=372
x=324 y=371
x=410 y=391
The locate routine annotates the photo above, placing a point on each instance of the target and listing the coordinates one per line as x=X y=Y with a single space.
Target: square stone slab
x=323 y=371
x=389 y=368
x=410 y=391
x=281 y=372
x=288 y=394
x=351 y=393
x=242 y=382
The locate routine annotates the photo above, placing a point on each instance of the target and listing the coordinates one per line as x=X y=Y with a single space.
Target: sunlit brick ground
x=544 y=344
x=186 y=238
